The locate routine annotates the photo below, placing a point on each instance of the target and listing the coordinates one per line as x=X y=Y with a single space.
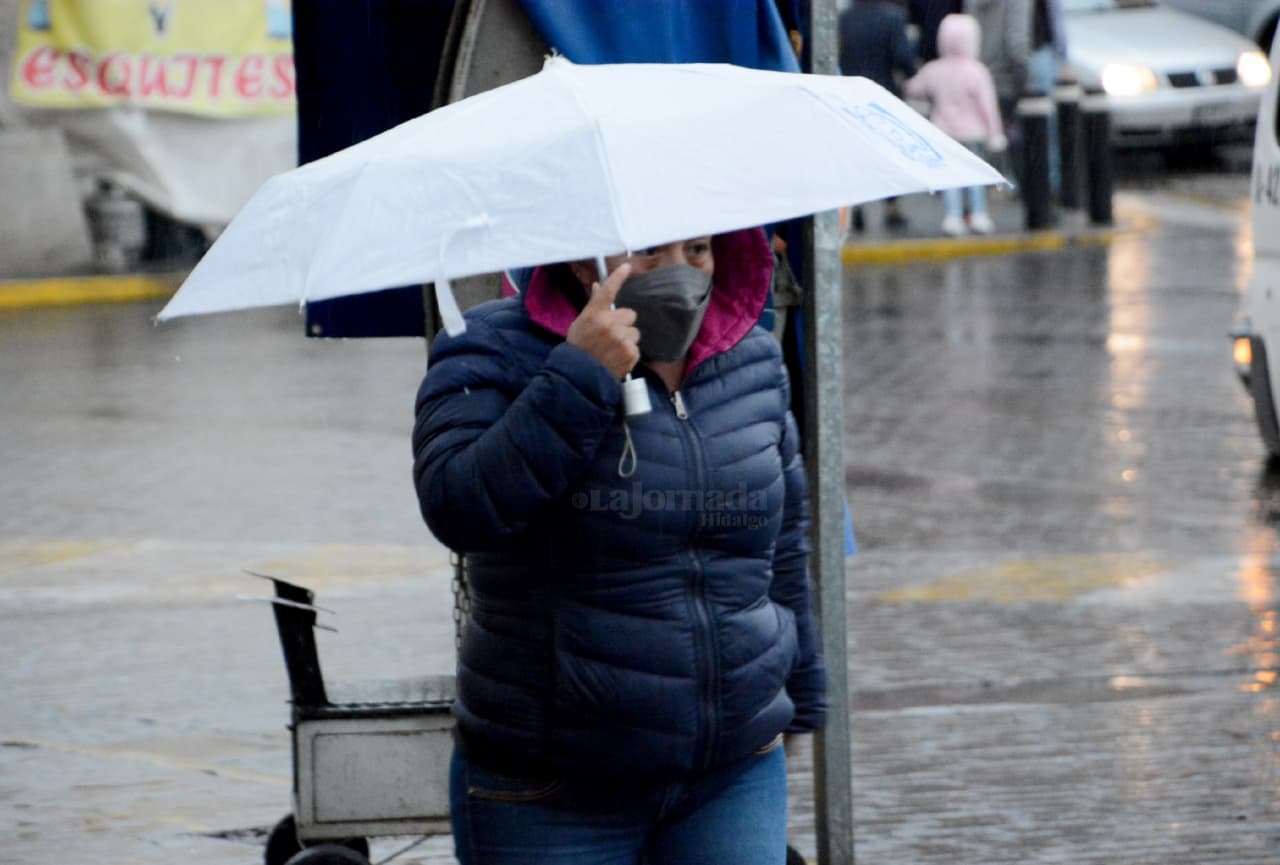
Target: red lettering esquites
x=151 y=78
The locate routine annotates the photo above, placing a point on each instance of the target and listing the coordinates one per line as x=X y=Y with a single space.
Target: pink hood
x=739 y=288
x=958 y=85
x=959 y=36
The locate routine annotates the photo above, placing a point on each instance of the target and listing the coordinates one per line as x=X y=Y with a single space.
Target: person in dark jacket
x=874 y=44
x=926 y=15
x=640 y=635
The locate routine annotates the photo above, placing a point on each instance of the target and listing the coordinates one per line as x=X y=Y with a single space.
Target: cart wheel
x=283 y=844
x=328 y=854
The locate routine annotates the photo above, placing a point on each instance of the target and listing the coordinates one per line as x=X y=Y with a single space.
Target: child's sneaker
x=953 y=226
x=981 y=223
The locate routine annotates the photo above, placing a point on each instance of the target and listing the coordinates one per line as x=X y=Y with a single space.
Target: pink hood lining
x=739 y=288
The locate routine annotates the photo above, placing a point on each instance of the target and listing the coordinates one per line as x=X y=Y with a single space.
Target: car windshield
x=1077 y=7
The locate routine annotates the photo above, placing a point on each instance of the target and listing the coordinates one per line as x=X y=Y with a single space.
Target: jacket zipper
x=702 y=612
x=701 y=608
x=678 y=401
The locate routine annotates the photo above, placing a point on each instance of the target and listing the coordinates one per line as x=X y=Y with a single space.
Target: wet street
x=1063 y=615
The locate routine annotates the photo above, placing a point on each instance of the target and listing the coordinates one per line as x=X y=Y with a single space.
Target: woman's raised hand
x=607 y=334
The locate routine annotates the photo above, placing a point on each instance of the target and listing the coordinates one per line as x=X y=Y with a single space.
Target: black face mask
x=669 y=303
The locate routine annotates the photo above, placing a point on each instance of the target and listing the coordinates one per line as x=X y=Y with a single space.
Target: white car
x=1256 y=346
x=1169 y=78
x=1256 y=19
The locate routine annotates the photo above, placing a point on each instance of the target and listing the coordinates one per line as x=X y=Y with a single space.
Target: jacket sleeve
x=1018 y=25
x=807 y=685
x=918 y=85
x=1057 y=23
x=911 y=88
x=493 y=445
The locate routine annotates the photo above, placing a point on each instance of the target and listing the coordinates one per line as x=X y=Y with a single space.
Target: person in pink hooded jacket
x=963 y=98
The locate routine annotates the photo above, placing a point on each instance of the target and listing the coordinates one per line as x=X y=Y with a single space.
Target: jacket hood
x=739 y=288
x=959 y=36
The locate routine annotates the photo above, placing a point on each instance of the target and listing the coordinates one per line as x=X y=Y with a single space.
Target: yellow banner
x=224 y=58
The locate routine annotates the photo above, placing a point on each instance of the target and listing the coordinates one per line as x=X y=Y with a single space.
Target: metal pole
x=1068 y=102
x=1095 y=118
x=824 y=456
x=1037 y=203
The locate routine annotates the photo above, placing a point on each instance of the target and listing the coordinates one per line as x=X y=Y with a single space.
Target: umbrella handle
x=635 y=397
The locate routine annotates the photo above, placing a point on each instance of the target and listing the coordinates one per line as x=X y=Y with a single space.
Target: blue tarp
x=743 y=32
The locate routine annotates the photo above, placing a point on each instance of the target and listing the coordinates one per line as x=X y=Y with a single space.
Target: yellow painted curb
x=73 y=290
x=935 y=248
x=1055 y=579
x=128 y=288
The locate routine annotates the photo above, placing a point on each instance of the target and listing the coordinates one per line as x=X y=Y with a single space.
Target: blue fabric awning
x=742 y=32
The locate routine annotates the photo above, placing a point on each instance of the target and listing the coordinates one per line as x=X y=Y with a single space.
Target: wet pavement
x=1063 y=615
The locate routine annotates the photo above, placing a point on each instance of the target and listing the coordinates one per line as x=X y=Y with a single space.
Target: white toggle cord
x=450 y=314
x=454 y=323
x=635 y=400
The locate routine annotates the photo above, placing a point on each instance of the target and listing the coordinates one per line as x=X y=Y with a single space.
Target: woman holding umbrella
x=640 y=638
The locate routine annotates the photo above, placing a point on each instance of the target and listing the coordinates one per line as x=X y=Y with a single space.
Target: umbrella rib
x=332 y=232
x=603 y=152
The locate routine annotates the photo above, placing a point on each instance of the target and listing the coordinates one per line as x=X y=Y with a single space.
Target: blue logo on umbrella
x=909 y=143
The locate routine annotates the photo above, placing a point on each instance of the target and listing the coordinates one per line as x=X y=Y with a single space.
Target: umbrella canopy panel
x=572 y=163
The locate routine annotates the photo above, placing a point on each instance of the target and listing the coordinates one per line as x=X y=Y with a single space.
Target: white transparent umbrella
x=572 y=163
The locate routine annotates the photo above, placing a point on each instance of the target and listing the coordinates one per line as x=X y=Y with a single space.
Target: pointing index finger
x=604 y=294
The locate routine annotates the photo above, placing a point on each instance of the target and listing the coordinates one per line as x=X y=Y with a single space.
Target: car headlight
x=1126 y=79
x=1253 y=70
x=1242 y=350
x=1242 y=354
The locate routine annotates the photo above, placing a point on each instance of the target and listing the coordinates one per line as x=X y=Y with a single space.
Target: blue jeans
x=1042 y=77
x=733 y=814
x=954 y=200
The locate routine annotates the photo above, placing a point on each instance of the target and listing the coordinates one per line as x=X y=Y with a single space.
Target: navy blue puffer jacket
x=648 y=626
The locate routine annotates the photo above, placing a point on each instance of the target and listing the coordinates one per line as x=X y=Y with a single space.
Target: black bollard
x=1095 y=124
x=1067 y=98
x=1037 y=198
